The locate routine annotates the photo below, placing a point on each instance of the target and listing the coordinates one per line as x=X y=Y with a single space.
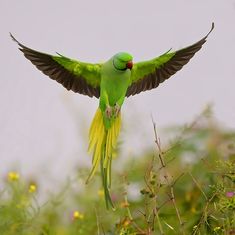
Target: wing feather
x=74 y=75
x=149 y=74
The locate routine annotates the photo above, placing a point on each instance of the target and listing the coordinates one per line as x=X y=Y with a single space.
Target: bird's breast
x=115 y=84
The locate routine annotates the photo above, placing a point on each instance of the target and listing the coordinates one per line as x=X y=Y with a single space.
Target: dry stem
x=166 y=176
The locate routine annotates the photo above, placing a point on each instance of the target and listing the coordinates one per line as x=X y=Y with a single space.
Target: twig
x=156 y=213
x=197 y=184
x=128 y=209
x=166 y=176
x=150 y=168
x=97 y=222
x=203 y=214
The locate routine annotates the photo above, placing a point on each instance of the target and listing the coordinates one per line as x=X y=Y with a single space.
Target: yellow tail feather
x=102 y=142
x=96 y=136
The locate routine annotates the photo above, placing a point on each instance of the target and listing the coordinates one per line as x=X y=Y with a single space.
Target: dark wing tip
x=15 y=40
x=212 y=28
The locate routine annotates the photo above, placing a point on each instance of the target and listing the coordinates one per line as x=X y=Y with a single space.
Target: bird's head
x=122 y=61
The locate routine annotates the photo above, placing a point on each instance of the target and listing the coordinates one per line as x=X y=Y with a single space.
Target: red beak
x=129 y=64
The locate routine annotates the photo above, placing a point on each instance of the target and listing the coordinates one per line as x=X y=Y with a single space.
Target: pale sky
x=43 y=127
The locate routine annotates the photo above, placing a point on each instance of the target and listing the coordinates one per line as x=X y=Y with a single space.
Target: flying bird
x=111 y=82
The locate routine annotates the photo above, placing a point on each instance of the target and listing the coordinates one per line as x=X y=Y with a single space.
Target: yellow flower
x=77 y=215
x=126 y=222
x=193 y=209
x=13 y=176
x=217 y=229
x=32 y=188
x=101 y=192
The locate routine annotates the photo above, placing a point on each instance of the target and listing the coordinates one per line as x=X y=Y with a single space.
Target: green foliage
x=184 y=187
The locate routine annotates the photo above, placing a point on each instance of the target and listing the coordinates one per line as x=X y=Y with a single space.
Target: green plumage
x=91 y=72
x=141 y=69
x=114 y=84
x=111 y=82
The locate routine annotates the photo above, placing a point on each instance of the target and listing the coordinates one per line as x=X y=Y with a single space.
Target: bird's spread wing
x=77 y=76
x=147 y=75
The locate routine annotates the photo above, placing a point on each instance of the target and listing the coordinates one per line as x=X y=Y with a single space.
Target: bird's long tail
x=102 y=142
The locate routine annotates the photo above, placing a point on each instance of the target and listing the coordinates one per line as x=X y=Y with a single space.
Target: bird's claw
x=117 y=109
x=108 y=112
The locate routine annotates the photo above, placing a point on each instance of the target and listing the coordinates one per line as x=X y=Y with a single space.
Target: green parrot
x=111 y=82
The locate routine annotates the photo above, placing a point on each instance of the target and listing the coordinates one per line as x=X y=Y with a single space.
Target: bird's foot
x=117 y=109
x=108 y=111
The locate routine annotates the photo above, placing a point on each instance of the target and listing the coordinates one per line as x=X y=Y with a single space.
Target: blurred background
x=44 y=128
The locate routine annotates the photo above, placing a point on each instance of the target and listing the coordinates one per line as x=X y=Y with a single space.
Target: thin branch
x=166 y=176
x=156 y=213
x=128 y=209
x=97 y=222
x=198 y=185
x=203 y=214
